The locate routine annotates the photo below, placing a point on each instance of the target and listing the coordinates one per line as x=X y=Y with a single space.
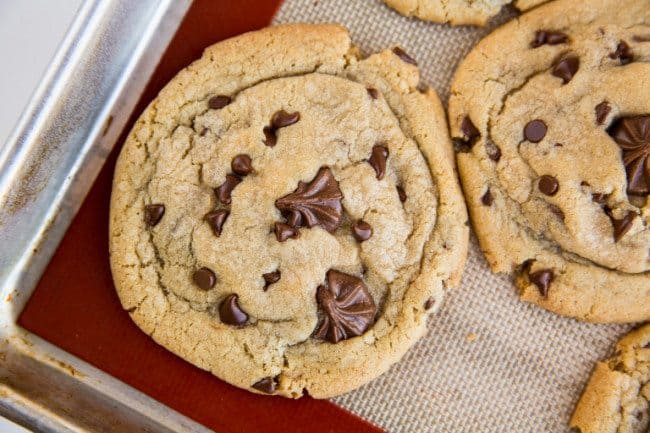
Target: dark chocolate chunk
x=285 y=231
x=374 y=93
x=542 y=279
x=241 y=164
x=224 y=190
x=623 y=53
x=548 y=185
x=492 y=151
x=487 y=198
x=347 y=307
x=546 y=37
x=271 y=278
x=566 y=68
x=470 y=133
x=153 y=213
x=266 y=385
x=602 y=110
x=231 y=313
x=535 y=131
x=405 y=57
x=314 y=203
x=361 y=231
x=218 y=102
x=378 y=159
x=216 y=220
x=204 y=278
x=281 y=119
x=270 y=139
x=633 y=136
x=429 y=303
x=622 y=226
x=401 y=193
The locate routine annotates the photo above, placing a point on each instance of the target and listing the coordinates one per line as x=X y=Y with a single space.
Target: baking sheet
x=490 y=362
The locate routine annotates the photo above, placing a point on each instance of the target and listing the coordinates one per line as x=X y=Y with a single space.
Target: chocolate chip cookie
x=617 y=398
x=457 y=12
x=551 y=120
x=285 y=214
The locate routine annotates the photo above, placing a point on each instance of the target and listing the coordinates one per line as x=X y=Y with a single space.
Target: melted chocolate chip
x=378 y=159
x=281 y=119
x=566 y=68
x=546 y=37
x=231 y=313
x=548 y=185
x=270 y=139
x=405 y=57
x=633 y=137
x=216 y=220
x=470 y=133
x=347 y=307
x=315 y=203
x=429 y=303
x=535 y=131
x=492 y=151
x=374 y=93
x=266 y=385
x=602 y=110
x=204 y=278
x=542 y=279
x=487 y=198
x=401 y=194
x=361 y=231
x=623 y=53
x=224 y=190
x=219 y=101
x=153 y=213
x=271 y=278
x=241 y=165
x=285 y=231
x=622 y=226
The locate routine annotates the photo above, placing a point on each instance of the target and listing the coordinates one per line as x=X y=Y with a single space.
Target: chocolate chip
x=405 y=57
x=231 y=313
x=469 y=131
x=203 y=132
x=602 y=110
x=241 y=164
x=622 y=226
x=492 y=150
x=401 y=193
x=429 y=303
x=599 y=198
x=219 y=101
x=557 y=211
x=271 y=278
x=216 y=220
x=266 y=385
x=377 y=160
x=535 y=131
x=542 y=279
x=361 y=231
x=566 y=68
x=285 y=231
x=270 y=139
x=281 y=119
x=548 y=185
x=623 y=53
x=224 y=190
x=632 y=134
x=314 y=203
x=204 y=278
x=487 y=198
x=460 y=145
x=153 y=213
x=543 y=37
x=374 y=93
x=347 y=307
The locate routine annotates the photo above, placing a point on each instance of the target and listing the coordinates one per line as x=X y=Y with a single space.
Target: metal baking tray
x=46 y=169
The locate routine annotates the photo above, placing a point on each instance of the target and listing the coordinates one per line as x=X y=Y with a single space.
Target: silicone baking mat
x=490 y=363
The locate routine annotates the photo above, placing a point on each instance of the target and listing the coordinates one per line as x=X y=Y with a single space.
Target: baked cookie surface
x=551 y=115
x=617 y=397
x=457 y=12
x=285 y=214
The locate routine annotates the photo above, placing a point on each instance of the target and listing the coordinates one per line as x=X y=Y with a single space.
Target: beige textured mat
x=490 y=362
